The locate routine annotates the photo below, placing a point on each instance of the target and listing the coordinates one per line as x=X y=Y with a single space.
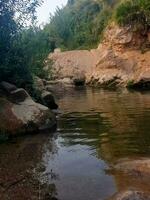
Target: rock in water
x=19 y=95
x=131 y=195
x=140 y=167
x=7 y=86
x=20 y=114
x=48 y=100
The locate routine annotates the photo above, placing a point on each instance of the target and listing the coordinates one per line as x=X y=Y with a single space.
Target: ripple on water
x=96 y=130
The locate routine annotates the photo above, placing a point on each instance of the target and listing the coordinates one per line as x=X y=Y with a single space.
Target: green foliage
x=79 y=25
x=101 y=22
x=130 y=84
x=13 y=16
x=36 y=45
x=134 y=12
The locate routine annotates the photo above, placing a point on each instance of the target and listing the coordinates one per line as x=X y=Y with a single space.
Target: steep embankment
x=121 y=59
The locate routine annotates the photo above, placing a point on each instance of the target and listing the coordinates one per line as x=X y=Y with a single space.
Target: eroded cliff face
x=122 y=59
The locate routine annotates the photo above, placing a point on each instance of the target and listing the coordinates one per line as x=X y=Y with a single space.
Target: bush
x=134 y=12
x=130 y=84
x=13 y=60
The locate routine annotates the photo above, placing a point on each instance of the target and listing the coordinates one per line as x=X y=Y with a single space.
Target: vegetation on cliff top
x=80 y=25
x=135 y=13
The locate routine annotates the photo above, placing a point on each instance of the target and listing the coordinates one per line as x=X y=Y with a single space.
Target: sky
x=49 y=6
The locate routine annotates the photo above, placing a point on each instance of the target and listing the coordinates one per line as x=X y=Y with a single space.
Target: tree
x=14 y=14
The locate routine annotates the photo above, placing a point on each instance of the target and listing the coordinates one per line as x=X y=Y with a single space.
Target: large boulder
x=70 y=63
x=20 y=114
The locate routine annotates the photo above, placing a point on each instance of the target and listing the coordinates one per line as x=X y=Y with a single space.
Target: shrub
x=134 y=12
x=13 y=17
x=130 y=84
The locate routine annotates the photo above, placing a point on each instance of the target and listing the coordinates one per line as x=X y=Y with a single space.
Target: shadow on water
x=96 y=129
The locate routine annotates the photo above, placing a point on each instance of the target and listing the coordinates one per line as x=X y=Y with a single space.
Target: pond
x=96 y=129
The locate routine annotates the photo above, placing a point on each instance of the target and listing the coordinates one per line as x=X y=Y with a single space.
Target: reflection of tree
x=114 y=123
x=18 y=161
x=81 y=128
x=45 y=177
x=50 y=192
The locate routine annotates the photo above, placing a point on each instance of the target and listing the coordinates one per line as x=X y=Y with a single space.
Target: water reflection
x=20 y=166
x=118 y=120
x=96 y=129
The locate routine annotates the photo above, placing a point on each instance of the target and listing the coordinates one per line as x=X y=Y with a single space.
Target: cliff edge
x=122 y=59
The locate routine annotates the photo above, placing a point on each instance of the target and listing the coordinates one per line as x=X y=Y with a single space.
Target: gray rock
x=8 y=87
x=25 y=117
x=19 y=95
x=48 y=100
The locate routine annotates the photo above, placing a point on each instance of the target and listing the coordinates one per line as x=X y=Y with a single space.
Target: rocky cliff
x=122 y=59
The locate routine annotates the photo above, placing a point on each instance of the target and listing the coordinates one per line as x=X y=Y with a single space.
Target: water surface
x=96 y=129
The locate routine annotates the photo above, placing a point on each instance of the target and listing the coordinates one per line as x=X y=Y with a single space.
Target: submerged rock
x=134 y=167
x=20 y=114
x=130 y=195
